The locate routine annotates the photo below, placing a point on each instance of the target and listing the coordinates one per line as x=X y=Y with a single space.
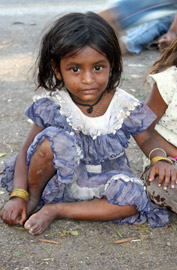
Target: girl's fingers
x=23 y=217
x=166 y=174
x=13 y=218
x=162 y=177
x=6 y=216
x=166 y=182
x=170 y=177
x=152 y=174
x=10 y=217
x=173 y=178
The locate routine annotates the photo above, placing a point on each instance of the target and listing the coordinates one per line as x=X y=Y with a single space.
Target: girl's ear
x=55 y=70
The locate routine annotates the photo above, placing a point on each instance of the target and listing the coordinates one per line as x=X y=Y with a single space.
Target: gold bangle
x=155 y=150
x=155 y=159
x=21 y=193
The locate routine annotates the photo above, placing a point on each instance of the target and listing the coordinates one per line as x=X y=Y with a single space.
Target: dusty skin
x=78 y=245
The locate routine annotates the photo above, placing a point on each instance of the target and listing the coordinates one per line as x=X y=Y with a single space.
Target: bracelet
x=155 y=150
x=155 y=159
x=21 y=193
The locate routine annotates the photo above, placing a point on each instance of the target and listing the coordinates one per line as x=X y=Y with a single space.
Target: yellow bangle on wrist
x=155 y=149
x=158 y=158
x=21 y=193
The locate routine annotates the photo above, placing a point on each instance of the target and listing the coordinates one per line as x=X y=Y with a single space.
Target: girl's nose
x=87 y=77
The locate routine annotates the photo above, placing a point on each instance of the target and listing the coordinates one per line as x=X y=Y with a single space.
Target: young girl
x=73 y=162
x=163 y=78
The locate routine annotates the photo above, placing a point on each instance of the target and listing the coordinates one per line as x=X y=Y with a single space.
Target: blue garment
x=138 y=37
x=89 y=153
x=129 y=12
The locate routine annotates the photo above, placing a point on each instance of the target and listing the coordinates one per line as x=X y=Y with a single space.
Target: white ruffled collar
x=119 y=109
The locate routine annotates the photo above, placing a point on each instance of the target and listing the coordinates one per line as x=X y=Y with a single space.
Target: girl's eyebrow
x=79 y=64
x=100 y=62
x=73 y=64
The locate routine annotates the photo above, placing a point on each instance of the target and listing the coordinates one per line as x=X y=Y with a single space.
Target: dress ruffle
x=128 y=193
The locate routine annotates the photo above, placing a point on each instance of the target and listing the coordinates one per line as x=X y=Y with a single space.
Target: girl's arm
x=156 y=103
x=158 y=106
x=20 y=176
x=14 y=211
x=147 y=142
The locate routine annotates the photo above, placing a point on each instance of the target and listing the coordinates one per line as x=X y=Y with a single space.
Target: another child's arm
x=14 y=211
x=167 y=173
x=158 y=106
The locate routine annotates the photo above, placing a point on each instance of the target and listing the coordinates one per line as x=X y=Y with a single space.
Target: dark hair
x=71 y=33
x=168 y=59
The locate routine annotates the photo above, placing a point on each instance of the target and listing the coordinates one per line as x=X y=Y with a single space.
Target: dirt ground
x=81 y=245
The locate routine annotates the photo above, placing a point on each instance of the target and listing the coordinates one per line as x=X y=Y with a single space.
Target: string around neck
x=90 y=109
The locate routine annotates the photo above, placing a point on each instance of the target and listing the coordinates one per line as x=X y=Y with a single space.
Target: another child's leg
x=97 y=210
x=110 y=17
x=40 y=171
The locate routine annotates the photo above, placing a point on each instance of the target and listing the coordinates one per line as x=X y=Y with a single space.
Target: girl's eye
x=98 y=68
x=75 y=69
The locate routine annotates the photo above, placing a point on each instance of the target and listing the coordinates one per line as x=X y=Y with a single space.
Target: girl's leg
x=40 y=171
x=97 y=210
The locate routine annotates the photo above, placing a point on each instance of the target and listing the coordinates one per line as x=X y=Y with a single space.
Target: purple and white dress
x=89 y=153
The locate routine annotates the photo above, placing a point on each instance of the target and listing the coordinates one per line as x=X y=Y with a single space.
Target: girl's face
x=85 y=74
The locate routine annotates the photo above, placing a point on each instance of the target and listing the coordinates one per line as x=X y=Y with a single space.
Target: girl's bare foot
x=40 y=221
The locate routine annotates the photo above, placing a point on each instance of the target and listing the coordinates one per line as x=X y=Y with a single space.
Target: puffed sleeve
x=44 y=113
x=166 y=82
x=139 y=119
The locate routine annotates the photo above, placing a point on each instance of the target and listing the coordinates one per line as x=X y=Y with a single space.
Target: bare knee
x=44 y=150
x=41 y=166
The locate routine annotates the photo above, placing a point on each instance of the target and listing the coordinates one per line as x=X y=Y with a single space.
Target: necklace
x=90 y=109
x=101 y=104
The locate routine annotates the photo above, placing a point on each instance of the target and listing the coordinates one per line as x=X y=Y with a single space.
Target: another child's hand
x=14 y=211
x=166 y=173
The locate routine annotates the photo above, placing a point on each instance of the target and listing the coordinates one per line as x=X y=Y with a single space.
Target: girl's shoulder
x=50 y=100
x=45 y=110
x=165 y=75
x=123 y=98
x=166 y=82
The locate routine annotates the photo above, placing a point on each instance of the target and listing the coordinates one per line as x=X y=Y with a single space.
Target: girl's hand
x=14 y=211
x=166 y=173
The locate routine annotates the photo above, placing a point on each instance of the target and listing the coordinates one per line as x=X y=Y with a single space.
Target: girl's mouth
x=89 y=91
